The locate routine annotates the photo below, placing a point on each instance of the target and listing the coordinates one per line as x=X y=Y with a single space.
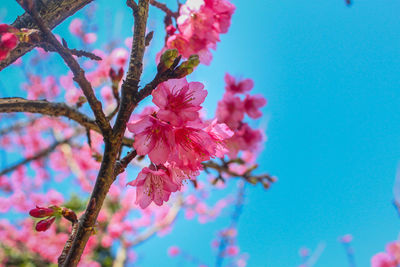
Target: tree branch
x=53 y=12
x=43 y=153
x=79 y=73
x=164 y=8
x=106 y=174
x=17 y=104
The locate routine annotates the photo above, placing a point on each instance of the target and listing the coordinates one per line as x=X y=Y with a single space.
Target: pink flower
x=237 y=87
x=200 y=23
x=152 y=137
x=173 y=251
x=90 y=38
x=178 y=176
x=119 y=57
x=230 y=110
x=153 y=185
x=219 y=132
x=382 y=259
x=393 y=249
x=193 y=146
x=179 y=101
x=76 y=27
x=232 y=250
x=246 y=139
x=224 y=11
x=252 y=105
x=45 y=224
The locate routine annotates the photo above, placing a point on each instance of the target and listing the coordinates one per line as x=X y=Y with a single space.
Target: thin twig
x=234 y=221
x=79 y=74
x=53 y=13
x=164 y=8
x=17 y=104
x=112 y=149
x=43 y=153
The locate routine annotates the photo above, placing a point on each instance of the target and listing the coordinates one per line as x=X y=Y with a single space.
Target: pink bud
x=40 y=212
x=45 y=224
x=170 y=29
x=4 y=28
x=8 y=41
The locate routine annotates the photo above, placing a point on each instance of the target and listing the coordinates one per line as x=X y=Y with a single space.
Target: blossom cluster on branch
x=71 y=176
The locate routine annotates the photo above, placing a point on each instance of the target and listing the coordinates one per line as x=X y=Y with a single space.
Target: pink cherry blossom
x=382 y=259
x=237 y=87
x=153 y=186
x=90 y=38
x=75 y=27
x=219 y=132
x=224 y=11
x=246 y=139
x=393 y=249
x=179 y=101
x=230 y=111
x=252 y=105
x=152 y=137
x=200 y=23
x=193 y=146
x=232 y=250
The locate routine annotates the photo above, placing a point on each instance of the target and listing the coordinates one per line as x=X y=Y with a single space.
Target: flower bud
x=40 y=212
x=167 y=59
x=116 y=77
x=45 y=224
x=187 y=67
x=70 y=215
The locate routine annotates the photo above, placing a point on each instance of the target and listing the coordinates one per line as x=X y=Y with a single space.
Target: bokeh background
x=330 y=74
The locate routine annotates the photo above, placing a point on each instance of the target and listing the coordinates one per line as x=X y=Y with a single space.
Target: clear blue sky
x=331 y=77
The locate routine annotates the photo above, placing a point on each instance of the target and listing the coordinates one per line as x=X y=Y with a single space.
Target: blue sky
x=331 y=77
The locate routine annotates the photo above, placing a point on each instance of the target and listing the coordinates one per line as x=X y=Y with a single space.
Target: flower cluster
x=176 y=140
x=200 y=23
x=8 y=40
x=390 y=258
x=231 y=110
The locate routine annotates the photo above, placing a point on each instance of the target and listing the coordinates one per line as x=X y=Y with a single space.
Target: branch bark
x=17 y=104
x=79 y=73
x=53 y=12
x=106 y=174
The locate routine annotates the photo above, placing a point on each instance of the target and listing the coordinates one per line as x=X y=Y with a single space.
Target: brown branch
x=106 y=174
x=121 y=165
x=17 y=104
x=68 y=245
x=53 y=12
x=43 y=153
x=164 y=8
x=265 y=179
x=79 y=73
x=132 y=4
